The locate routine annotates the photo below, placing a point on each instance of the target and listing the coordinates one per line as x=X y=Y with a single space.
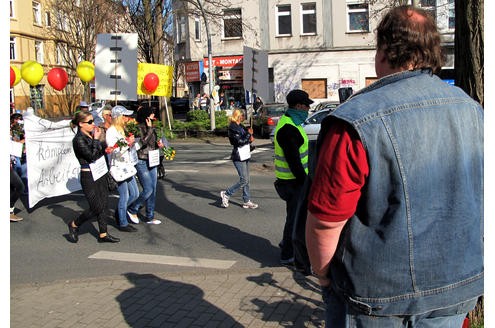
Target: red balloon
x=58 y=78
x=151 y=82
x=12 y=77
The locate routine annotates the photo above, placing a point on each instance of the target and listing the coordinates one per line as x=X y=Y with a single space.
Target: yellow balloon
x=86 y=71
x=32 y=72
x=17 y=75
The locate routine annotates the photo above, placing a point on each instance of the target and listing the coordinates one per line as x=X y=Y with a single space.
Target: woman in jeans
x=146 y=168
x=239 y=136
x=123 y=154
x=88 y=149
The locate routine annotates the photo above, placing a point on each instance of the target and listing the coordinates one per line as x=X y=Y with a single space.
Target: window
x=36 y=13
x=181 y=29
x=358 y=17
x=62 y=22
x=12 y=49
x=316 y=88
x=37 y=97
x=197 y=29
x=48 y=19
x=283 y=20
x=61 y=54
x=38 y=49
x=232 y=23
x=308 y=18
x=451 y=15
x=429 y=6
x=12 y=14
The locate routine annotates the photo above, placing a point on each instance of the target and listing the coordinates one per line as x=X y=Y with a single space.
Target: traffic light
x=217 y=73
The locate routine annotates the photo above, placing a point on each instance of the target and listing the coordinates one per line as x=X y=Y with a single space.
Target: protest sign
x=52 y=168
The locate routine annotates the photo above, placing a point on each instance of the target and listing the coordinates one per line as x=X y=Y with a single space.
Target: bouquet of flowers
x=169 y=153
x=119 y=144
x=132 y=129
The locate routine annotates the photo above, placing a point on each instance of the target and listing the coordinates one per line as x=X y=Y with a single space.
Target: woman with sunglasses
x=88 y=149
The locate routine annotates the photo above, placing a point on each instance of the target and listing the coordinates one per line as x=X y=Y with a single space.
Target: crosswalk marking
x=162 y=259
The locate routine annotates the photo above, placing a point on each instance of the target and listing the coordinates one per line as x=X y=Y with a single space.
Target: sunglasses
x=89 y=122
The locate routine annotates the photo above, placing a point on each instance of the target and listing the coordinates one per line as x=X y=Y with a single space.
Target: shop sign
x=192 y=72
x=224 y=61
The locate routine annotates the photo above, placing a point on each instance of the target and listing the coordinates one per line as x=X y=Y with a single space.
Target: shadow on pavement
x=255 y=247
x=156 y=302
x=291 y=305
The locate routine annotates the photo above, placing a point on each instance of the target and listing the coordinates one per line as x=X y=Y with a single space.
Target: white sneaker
x=154 y=221
x=250 y=204
x=225 y=199
x=134 y=218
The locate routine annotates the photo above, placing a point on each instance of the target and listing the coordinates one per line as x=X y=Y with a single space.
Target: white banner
x=52 y=167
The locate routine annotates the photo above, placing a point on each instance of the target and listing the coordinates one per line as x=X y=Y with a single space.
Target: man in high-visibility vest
x=291 y=163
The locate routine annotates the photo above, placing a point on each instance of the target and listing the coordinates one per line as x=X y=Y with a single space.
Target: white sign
x=52 y=167
x=98 y=168
x=116 y=66
x=154 y=157
x=16 y=148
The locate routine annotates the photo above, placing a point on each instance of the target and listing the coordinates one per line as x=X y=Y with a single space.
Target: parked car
x=266 y=119
x=325 y=105
x=312 y=124
x=179 y=105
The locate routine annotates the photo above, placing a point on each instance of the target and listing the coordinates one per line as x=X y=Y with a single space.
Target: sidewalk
x=272 y=297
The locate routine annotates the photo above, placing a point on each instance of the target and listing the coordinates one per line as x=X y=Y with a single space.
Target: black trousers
x=289 y=191
x=16 y=187
x=96 y=193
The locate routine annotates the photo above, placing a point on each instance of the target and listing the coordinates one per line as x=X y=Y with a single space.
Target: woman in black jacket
x=240 y=138
x=88 y=148
x=146 y=168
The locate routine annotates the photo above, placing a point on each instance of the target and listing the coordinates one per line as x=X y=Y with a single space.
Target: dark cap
x=298 y=97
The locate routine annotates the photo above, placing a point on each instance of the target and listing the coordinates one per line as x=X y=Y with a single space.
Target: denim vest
x=415 y=242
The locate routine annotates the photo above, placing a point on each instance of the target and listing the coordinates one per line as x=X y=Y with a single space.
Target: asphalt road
x=195 y=234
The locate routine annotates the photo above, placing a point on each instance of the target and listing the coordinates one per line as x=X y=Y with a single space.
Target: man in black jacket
x=291 y=163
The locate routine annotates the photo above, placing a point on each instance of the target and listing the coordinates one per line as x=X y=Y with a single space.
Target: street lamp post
x=210 y=64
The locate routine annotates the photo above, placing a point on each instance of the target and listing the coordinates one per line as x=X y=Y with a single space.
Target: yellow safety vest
x=282 y=170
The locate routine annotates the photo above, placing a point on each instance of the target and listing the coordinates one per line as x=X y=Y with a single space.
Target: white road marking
x=162 y=259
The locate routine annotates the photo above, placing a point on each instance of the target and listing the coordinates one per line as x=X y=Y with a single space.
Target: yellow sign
x=164 y=73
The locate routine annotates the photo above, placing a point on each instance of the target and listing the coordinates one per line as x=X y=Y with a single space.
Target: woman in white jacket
x=123 y=155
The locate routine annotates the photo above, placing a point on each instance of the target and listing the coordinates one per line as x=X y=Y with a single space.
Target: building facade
x=319 y=46
x=57 y=34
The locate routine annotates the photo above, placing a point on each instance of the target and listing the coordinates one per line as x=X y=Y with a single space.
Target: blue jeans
x=128 y=192
x=340 y=315
x=147 y=177
x=243 y=172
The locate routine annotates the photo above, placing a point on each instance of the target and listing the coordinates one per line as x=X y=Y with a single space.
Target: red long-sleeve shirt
x=340 y=174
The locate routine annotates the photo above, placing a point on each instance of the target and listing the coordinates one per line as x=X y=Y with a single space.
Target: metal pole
x=210 y=65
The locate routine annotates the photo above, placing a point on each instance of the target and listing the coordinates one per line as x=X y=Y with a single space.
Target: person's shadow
x=303 y=309
x=156 y=302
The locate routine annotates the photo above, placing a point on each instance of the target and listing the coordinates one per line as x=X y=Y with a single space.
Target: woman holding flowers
x=122 y=151
x=148 y=161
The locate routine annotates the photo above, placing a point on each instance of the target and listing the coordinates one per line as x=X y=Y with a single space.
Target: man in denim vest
x=395 y=213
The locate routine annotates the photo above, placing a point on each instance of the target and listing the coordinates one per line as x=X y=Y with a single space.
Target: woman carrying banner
x=88 y=150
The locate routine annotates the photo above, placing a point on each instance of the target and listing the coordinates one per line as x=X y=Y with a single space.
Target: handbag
x=112 y=184
x=121 y=173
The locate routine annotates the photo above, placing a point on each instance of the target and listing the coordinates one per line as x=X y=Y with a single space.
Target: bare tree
x=74 y=29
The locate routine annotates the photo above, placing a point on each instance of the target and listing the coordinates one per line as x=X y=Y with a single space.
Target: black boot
x=73 y=233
